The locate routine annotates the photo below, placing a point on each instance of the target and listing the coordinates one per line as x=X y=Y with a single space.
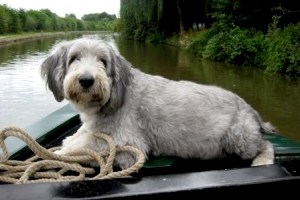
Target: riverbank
x=10 y=39
x=276 y=51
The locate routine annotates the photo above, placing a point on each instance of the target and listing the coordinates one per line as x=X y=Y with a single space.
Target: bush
x=276 y=51
x=282 y=50
x=198 y=43
x=155 y=37
x=237 y=46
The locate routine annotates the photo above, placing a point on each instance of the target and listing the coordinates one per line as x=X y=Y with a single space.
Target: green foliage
x=237 y=46
x=198 y=43
x=22 y=18
x=154 y=20
x=155 y=37
x=140 y=19
x=246 y=13
x=282 y=49
x=98 y=17
x=3 y=20
x=226 y=41
x=15 y=21
x=9 y=20
x=276 y=51
x=117 y=25
x=100 y=21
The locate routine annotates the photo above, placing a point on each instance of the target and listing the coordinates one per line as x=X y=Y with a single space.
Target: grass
x=12 y=38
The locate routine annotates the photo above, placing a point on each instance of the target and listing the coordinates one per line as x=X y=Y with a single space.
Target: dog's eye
x=103 y=61
x=73 y=58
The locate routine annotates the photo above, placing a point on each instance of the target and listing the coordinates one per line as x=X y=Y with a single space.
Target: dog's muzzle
x=86 y=81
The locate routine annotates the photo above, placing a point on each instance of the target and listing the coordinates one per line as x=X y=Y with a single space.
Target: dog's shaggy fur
x=154 y=114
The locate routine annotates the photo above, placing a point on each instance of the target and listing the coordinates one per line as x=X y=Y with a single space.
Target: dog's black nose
x=86 y=81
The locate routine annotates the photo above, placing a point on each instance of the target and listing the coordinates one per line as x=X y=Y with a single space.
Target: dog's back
x=192 y=120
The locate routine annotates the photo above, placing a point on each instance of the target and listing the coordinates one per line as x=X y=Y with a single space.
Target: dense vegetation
x=16 y=21
x=99 y=21
x=244 y=32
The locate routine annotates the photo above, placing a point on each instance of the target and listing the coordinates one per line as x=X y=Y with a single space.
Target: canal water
x=24 y=98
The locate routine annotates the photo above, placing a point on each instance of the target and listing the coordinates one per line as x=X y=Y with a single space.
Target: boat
x=160 y=177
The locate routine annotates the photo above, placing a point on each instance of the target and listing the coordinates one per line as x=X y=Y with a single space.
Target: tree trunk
x=180 y=14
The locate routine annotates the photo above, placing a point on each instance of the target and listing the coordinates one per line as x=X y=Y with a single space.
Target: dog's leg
x=81 y=139
x=70 y=139
x=244 y=139
x=266 y=156
x=85 y=139
x=124 y=160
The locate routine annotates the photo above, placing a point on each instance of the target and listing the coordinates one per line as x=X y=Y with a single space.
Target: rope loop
x=46 y=166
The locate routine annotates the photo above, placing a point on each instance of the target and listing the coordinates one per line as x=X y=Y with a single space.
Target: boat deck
x=253 y=181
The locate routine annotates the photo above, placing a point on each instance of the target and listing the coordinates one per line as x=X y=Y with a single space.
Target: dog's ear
x=53 y=70
x=119 y=71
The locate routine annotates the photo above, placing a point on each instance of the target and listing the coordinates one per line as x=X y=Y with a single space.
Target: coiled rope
x=46 y=166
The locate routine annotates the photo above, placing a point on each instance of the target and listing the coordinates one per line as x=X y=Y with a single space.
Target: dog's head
x=88 y=72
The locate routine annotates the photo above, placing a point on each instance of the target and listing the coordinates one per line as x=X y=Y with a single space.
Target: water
x=23 y=95
x=24 y=98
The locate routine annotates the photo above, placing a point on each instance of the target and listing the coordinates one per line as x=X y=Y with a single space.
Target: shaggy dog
x=156 y=115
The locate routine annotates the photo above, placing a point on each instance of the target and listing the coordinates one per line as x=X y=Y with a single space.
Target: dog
x=157 y=115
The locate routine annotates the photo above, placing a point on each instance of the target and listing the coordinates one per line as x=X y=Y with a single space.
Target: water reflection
x=24 y=98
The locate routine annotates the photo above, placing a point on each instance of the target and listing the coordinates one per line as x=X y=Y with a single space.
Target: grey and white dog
x=152 y=113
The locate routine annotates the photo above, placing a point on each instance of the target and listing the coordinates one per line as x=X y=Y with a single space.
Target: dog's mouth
x=86 y=90
x=87 y=96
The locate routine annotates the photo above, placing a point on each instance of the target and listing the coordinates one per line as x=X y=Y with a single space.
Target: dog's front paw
x=124 y=160
x=63 y=151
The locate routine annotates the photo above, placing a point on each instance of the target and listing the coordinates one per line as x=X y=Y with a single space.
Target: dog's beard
x=96 y=95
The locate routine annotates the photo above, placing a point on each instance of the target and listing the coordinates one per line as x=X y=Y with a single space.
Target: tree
x=181 y=15
x=23 y=18
x=98 y=17
x=31 y=23
x=142 y=18
x=3 y=20
x=14 y=23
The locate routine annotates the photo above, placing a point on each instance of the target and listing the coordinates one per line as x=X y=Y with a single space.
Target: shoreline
x=11 y=39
